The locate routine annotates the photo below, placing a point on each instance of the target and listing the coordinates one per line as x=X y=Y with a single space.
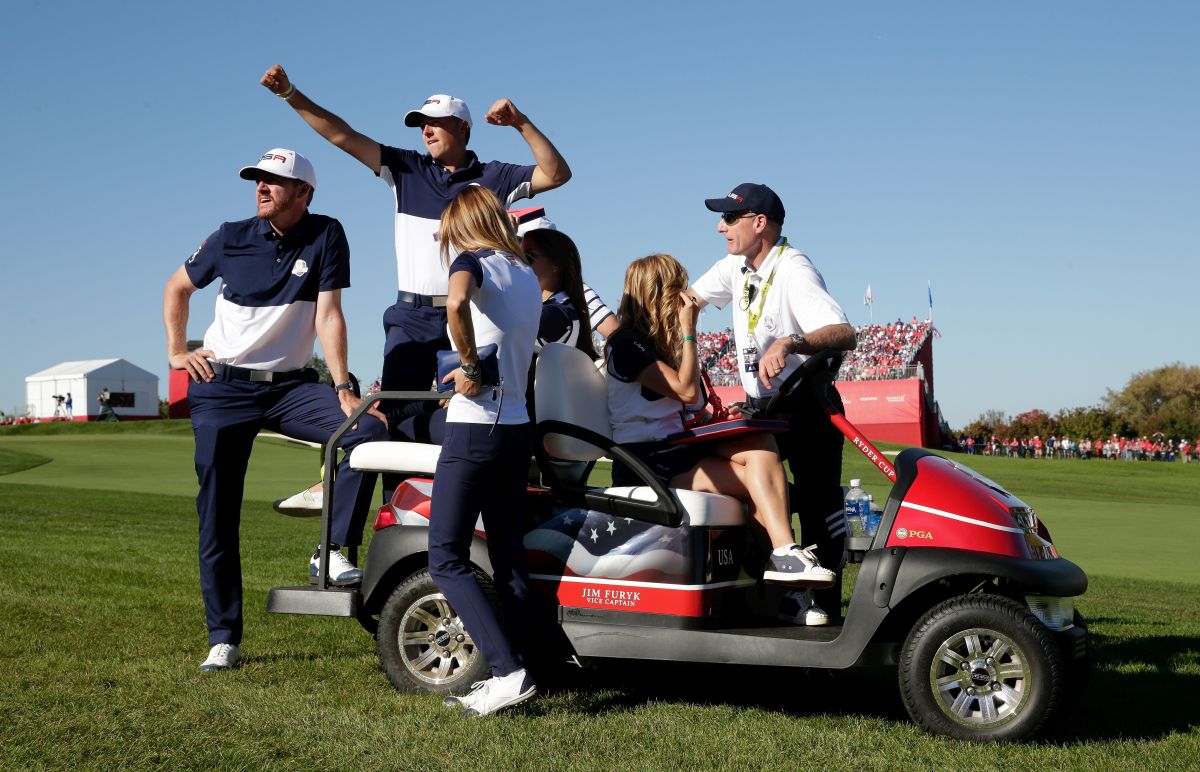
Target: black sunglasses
x=729 y=218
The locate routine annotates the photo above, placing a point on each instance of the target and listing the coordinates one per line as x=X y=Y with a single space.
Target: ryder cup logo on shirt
x=300 y=268
x=768 y=323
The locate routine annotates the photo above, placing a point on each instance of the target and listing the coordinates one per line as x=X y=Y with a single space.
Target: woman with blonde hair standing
x=494 y=298
x=654 y=376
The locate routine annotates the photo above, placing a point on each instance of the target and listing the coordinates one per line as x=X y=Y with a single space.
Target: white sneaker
x=798 y=566
x=456 y=701
x=306 y=503
x=799 y=608
x=498 y=693
x=342 y=573
x=223 y=656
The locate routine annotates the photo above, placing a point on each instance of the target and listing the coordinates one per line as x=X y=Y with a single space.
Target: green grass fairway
x=103 y=631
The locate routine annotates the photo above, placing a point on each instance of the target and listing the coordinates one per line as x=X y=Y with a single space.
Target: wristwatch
x=470 y=371
x=798 y=341
x=347 y=386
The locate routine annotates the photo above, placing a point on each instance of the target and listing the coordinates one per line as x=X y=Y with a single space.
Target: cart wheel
x=982 y=668
x=423 y=644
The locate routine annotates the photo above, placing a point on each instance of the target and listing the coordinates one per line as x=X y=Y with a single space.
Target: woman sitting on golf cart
x=653 y=376
x=555 y=260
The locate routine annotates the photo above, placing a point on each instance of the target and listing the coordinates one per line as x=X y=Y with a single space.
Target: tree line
x=1165 y=400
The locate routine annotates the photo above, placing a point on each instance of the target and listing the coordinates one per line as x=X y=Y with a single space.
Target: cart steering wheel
x=817 y=372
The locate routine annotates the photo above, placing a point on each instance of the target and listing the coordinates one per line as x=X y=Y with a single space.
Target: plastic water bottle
x=873 y=517
x=857 y=509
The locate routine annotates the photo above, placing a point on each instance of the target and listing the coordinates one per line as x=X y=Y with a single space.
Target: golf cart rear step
x=331 y=602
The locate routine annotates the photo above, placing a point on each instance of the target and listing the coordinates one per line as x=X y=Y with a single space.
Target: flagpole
x=929 y=288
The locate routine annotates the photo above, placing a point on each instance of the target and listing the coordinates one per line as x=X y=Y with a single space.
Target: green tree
x=322 y=369
x=1165 y=399
x=988 y=423
x=1033 y=422
x=1090 y=422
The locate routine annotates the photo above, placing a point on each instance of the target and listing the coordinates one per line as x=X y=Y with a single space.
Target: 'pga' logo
x=904 y=533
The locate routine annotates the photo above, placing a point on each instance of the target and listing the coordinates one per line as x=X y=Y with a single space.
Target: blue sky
x=1037 y=162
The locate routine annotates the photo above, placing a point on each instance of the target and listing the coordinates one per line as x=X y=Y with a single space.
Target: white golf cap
x=438 y=106
x=531 y=219
x=282 y=163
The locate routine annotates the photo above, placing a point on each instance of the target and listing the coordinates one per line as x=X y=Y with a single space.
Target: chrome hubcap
x=434 y=645
x=980 y=678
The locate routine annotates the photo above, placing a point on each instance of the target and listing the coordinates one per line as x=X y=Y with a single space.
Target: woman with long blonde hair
x=494 y=297
x=654 y=379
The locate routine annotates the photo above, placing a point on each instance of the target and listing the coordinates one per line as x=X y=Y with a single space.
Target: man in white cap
x=282 y=273
x=422 y=185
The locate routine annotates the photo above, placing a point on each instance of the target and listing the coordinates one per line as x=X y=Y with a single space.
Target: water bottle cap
x=855 y=483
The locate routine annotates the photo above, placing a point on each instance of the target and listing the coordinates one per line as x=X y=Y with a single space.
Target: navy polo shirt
x=266 y=309
x=423 y=188
x=560 y=322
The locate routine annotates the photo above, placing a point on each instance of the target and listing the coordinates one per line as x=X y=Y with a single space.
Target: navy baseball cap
x=749 y=197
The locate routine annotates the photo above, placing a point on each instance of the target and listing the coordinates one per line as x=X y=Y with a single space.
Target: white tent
x=134 y=391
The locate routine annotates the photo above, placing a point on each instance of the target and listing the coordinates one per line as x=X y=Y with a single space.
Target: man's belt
x=235 y=373
x=758 y=403
x=417 y=301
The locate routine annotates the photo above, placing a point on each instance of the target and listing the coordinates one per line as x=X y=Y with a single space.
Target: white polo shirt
x=795 y=303
x=504 y=311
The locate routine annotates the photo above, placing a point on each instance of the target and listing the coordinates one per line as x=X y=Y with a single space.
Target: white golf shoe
x=306 y=503
x=223 y=656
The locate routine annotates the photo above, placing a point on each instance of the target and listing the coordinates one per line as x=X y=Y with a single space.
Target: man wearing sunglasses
x=782 y=314
x=282 y=273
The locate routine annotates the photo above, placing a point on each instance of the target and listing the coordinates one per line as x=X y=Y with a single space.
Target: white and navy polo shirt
x=505 y=311
x=266 y=309
x=423 y=188
x=560 y=322
x=638 y=413
x=597 y=310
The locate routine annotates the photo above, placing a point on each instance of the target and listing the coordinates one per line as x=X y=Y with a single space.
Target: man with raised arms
x=422 y=185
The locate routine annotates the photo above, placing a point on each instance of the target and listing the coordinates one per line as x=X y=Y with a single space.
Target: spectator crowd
x=884 y=350
x=1114 y=448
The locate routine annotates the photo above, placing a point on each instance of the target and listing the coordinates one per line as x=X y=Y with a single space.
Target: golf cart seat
x=407 y=458
x=574 y=426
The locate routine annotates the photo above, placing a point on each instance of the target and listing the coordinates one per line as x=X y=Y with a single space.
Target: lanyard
x=754 y=316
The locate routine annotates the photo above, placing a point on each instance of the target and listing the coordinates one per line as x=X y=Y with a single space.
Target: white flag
x=868 y=299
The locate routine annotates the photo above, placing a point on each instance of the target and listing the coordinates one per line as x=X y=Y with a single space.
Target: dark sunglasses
x=729 y=218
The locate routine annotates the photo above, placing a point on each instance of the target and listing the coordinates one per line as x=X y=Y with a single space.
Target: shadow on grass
x=1129 y=696
x=1134 y=689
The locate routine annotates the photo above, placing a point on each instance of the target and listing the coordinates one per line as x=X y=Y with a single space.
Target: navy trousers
x=484 y=474
x=412 y=337
x=226 y=416
x=813 y=449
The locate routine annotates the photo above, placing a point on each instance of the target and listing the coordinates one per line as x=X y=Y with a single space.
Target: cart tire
x=423 y=645
x=981 y=668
